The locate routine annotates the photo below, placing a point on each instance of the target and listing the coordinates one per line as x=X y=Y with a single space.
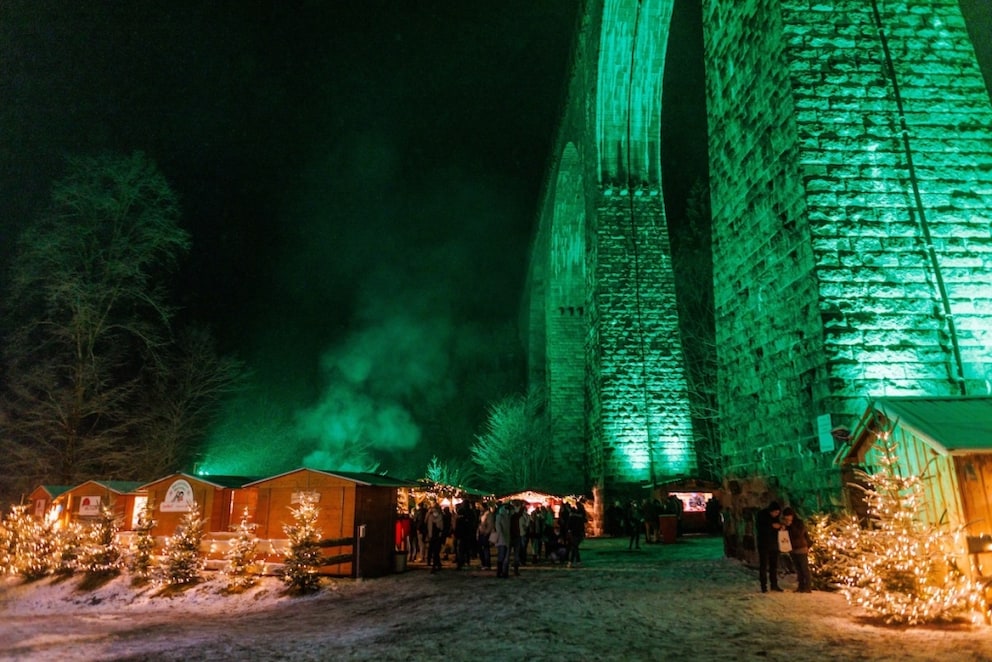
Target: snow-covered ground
x=664 y=602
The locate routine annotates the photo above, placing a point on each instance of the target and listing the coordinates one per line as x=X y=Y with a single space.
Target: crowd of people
x=498 y=535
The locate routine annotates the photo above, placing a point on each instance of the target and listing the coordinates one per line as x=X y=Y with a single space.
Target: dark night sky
x=360 y=179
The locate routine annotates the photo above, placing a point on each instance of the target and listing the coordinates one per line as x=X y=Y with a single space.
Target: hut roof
x=360 y=477
x=378 y=480
x=216 y=481
x=227 y=481
x=55 y=490
x=952 y=425
x=118 y=486
x=529 y=495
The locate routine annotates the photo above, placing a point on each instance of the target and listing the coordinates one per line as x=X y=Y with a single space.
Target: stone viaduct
x=850 y=159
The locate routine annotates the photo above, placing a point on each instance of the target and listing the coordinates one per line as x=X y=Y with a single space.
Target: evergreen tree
x=140 y=559
x=102 y=552
x=70 y=549
x=838 y=540
x=30 y=544
x=303 y=557
x=6 y=549
x=183 y=558
x=906 y=571
x=241 y=555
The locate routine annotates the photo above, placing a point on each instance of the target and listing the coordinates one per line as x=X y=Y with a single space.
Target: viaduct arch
x=850 y=155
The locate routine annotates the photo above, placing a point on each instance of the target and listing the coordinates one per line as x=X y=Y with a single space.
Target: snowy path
x=679 y=601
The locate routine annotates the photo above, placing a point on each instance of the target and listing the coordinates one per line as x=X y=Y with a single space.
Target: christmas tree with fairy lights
x=241 y=555
x=102 y=555
x=303 y=557
x=142 y=544
x=29 y=545
x=905 y=570
x=183 y=558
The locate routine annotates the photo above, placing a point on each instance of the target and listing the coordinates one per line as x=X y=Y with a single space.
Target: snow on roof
x=118 y=486
x=360 y=477
x=952 y=425
x=216 y=481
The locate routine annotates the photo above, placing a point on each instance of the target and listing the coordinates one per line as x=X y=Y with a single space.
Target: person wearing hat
x=766 y=533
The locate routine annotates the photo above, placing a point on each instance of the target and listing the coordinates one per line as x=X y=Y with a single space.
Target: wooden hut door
x=974 y=474
x=975 y=484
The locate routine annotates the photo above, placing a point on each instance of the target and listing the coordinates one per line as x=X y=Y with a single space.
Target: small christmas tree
x=241 y=555
x=102 y=556
x=303 y=557
x=183 y=559
x=70 y=549
x=30 y=545
x=6 y=548
x=140 y=558
x=838 y=540
x=906 y=571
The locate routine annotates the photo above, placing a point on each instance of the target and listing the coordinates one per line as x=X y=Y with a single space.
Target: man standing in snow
x=766 y=533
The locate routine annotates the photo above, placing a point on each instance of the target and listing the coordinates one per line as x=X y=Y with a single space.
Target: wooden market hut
x=221 y=500
x=535 y=498
x=695 y=495
x=357 y=516
x=42 y=498
x=947 y=441
x=82 y=503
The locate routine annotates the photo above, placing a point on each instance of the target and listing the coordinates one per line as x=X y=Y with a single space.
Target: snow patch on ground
x=682 y=601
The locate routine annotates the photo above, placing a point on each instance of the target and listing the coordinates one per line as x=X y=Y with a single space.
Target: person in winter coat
x=635 y=520
x=435 y=537
x=576 y=532
x=800 y=549
x=486 y=525
x=502 y=528
x=766 y=533
x=420 y=527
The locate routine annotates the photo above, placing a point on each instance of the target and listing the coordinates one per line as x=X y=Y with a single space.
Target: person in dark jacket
x=800 y=549
x=635 y=521
x=576 y=532
x=766 y=533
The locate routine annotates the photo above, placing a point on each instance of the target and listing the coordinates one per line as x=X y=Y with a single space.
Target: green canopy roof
x=955 y=425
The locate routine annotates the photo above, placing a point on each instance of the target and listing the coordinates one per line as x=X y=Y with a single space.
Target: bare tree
x=87 y=327
x=513 y=451
x=183 y=397
x=693 y=266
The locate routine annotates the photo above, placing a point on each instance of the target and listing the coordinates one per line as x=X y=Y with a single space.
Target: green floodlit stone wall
x=602 y=325
x=851 y=221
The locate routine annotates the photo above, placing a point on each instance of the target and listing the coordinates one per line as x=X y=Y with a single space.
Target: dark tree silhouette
x=90 y=365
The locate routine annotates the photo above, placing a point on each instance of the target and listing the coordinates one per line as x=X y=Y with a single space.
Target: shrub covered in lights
x=27 y=546
x=102 y=555
x=837 y=547
x=241 y=555
x=303 y=556
x=898 y=567
x=183 y=558
x=139 y=562
x=69 y=548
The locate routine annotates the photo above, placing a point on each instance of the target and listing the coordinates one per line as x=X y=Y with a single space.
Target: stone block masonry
x=851 y=181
